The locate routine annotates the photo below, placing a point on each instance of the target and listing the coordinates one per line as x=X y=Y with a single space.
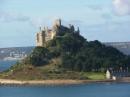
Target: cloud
x=7 y=17
x=122 y=7
x=11 y=17
x=41 y=22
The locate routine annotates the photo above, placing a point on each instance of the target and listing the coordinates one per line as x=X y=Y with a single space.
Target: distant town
x=14 y=53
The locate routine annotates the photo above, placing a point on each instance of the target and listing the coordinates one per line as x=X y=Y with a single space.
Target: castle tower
x=78 y=31
x=46 y=29
x=71 y=28
x=57 y=22
x=40 y=38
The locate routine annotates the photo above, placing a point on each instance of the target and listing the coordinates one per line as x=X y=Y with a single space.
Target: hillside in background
x=122 y=46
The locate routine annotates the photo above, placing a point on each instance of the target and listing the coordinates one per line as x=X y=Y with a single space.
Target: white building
x=108 y=75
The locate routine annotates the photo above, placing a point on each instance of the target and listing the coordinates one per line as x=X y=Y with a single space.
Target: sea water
x=4 y=65
x=87 y=90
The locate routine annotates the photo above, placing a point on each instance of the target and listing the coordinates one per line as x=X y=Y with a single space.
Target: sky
x=103 y=20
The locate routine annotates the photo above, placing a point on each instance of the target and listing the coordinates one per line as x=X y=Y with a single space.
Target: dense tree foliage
x=39 y=56
x=78 y=54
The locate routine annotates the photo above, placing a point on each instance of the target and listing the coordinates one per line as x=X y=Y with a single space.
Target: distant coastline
x=12 y=59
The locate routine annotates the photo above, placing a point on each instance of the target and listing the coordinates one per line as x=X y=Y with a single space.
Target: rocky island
x=64 y=56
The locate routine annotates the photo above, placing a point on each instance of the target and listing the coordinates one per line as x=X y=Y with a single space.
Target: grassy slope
x=28 y=72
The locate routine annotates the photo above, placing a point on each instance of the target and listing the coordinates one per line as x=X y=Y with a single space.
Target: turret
x=46 y=29
x=71 y=28
x=57 y=22
x=78 y=31
x=40 y=38
x=40 y=28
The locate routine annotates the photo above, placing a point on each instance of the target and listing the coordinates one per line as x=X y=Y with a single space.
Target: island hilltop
x=62 y=53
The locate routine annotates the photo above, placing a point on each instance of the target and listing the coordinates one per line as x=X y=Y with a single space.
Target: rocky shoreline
x=50 y=82
x=60 y=82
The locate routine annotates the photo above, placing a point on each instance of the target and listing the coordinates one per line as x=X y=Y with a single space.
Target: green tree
x=40 y=56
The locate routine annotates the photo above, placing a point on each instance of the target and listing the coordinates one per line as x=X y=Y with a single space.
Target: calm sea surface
x=88 y=90
x=4 y=65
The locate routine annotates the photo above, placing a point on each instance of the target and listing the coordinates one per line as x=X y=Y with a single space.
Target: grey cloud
x=11 y=17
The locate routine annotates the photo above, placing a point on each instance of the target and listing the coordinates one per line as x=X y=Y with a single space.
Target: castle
x=46 y=34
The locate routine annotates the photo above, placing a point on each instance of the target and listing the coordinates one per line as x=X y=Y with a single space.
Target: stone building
x=117 y=74
x=47 y=34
